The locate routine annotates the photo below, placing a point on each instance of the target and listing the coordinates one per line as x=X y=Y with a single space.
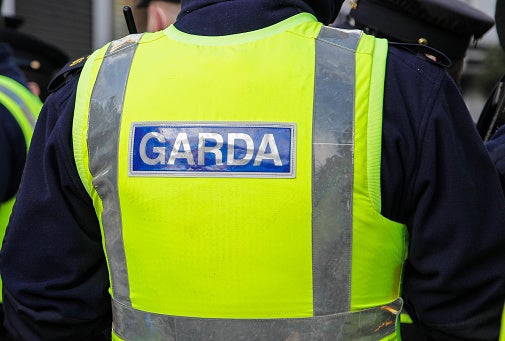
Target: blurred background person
x=19 y=109
x=39 y=60
x=493 y=113
x=491 y=123
x=448 y=26
x=160 y=13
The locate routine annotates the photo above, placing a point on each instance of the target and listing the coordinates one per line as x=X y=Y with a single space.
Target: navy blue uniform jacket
x=437 y=178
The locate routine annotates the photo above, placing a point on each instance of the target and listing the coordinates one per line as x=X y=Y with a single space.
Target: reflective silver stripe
x=105 y=112
x=20 y=103
x=332 y=175
x=370 y=324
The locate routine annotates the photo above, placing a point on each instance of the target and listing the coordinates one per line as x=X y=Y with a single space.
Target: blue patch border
x=216 y=174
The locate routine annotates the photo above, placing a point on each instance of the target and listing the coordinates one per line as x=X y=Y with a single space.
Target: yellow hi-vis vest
x=25 y=108
x=237 y=184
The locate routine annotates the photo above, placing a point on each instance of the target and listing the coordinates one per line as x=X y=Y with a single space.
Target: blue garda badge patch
x=253 y=150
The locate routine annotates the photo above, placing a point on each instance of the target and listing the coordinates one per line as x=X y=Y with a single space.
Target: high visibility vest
x=25 y=108
x=237 y=184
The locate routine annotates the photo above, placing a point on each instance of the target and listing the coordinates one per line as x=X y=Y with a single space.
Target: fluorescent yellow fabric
x=80 y=125
x=240 y=283
x=233 y=268
x=375 y=280
x=32 y=103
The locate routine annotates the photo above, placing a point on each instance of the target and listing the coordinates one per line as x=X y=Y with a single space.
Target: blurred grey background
x=79 y=27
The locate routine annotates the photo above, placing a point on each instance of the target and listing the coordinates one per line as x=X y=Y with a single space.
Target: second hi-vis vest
x=237 y=184
x=25 y=108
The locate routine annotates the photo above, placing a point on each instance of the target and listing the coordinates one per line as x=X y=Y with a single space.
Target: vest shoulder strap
x=72 y=68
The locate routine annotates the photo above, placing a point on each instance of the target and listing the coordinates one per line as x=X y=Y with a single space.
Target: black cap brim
x=446 y=26
x=143 y=4
x=13 y=21
x=27 y=48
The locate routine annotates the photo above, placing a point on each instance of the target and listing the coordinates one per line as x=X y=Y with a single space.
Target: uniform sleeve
x=496 y=148
x=12 y=140
x=54 y=272
x=12 y=154
x=439 y=180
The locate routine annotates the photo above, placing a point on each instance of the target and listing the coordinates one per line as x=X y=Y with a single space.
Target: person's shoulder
x=63 y=87
x=413 y=84
x=70 y=70
x=417 y=61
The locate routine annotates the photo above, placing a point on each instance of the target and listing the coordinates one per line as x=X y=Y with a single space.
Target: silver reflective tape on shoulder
x=347 y=39
x=106 y=105
x=20 y=103
x=123 y=43
x=332 y=181
x=370 y=324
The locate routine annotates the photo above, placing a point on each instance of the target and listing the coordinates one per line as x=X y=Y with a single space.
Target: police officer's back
x=248 y=186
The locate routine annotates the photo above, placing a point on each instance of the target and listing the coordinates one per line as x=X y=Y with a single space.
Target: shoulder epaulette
x=426 y=52
x=72 y=68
